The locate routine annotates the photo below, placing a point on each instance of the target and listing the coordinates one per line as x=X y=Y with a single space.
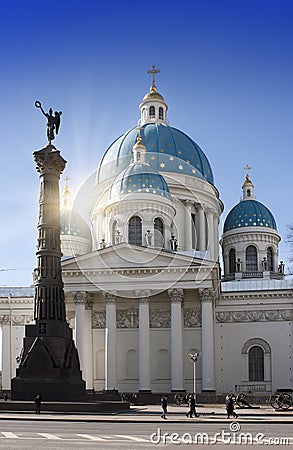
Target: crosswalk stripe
x=49 y=436
x=132 y=438
x=9 y=435
x=92 y=438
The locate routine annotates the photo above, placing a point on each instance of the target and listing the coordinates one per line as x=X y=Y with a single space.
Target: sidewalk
x=152 y=414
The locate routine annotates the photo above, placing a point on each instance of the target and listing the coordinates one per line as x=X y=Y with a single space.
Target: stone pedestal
x=49 y=362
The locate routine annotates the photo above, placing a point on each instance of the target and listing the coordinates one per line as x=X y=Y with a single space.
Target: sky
x=226 y=71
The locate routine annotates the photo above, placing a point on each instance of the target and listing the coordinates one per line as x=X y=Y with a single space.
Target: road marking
x=9 y=435
x=49 y=436
x=132 y=438
x=92 y=438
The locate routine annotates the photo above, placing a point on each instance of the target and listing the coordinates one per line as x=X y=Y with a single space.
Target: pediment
x=125 y=256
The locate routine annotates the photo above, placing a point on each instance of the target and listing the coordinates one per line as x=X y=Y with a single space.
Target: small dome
x=72 y=224
x=153 y=95
x=168 y=150
x=249 y=213
x=140 y=178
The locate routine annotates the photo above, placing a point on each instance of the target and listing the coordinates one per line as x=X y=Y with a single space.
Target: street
x=48 y=435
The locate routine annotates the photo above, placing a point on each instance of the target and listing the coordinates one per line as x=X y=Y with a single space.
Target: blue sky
x=226 y=74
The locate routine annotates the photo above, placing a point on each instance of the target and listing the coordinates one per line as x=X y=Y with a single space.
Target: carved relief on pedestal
x=255 y=316
x=192 y=317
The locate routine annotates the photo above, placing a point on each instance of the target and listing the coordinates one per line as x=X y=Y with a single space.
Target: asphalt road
x=82 y=435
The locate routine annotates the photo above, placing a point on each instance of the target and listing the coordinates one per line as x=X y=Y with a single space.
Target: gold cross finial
x=153 y=72
x=247 y=168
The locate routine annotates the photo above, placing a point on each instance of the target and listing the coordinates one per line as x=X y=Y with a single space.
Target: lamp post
x=194 y=357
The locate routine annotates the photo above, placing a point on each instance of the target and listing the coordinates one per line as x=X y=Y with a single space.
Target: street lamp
x=194 y=357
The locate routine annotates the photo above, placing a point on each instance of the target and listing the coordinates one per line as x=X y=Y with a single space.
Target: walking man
x=164 y=403
x=191 y=403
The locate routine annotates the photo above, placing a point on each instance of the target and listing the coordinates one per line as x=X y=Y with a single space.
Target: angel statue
x=53 y=122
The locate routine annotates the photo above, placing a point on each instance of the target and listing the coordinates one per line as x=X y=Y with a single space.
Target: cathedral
x=144 y=289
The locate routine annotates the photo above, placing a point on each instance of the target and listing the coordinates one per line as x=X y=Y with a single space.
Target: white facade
x=147 y=291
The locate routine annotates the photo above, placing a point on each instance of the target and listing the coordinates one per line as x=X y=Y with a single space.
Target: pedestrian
x=164 y=403
x=230 y=407
x=191 y=403
x=38 y=402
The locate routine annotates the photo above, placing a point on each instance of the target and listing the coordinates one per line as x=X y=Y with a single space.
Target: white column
x=83 y=335
x=211 y=230
x=144 y=341
x=6 y=354
x=176 y=296
x=188 y=235
x=110 y=342
x=207 y=339
x=202 y=229
x=216 y=236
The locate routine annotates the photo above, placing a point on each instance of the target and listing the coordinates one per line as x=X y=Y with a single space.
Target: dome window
x=159 y=232
x=270 y=259
x=232 y=261
x=161 y=113
x=248 y=193
x=256 y=363
x=135 y=231
x=152 y=112
x=251 y=259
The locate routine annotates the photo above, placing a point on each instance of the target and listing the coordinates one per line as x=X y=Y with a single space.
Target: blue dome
x=249 y=213
x=140 y=178
x=168 y=150
x=72 y=224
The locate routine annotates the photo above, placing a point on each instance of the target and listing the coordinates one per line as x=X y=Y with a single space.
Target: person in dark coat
x=191 y=403
x=164 y=403
x=230 y=407
x=38 y=402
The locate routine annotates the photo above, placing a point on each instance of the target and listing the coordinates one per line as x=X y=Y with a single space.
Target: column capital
x=176 y=295
x=82 y=298
x=110 y=297
x=207 y=295
x=143 y=295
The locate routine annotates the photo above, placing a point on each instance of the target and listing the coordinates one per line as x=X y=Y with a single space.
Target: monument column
x=49 y=363
x=110 y=342
x=207 y=297
x=144 y=341
x=176 y=297
x=6 y=352
x=83 y=334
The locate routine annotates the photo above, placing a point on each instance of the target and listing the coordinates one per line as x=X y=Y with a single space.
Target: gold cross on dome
x=66 y=181
x=247 y=168
x=153 y=72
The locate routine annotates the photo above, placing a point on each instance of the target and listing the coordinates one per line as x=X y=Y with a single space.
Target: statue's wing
x=57 y=120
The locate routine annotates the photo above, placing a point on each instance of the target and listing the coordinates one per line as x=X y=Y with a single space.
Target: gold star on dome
x=162 y=165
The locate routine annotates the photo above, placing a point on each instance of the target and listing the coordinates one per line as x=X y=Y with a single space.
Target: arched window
x=251 y=259
x=114 y=231
x=161 y=113
x=248 y=193
x=270 y=259
x=152 y=111
x=256 y=364
x=232 y=261
x=135 y=231
x=158 y=232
